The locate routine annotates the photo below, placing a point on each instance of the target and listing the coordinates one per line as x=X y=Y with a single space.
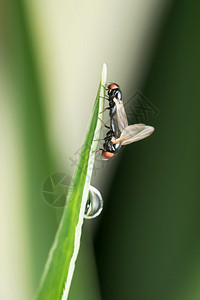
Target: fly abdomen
x=114 y=127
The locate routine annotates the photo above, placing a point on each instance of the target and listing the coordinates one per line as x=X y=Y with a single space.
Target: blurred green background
x=146 y=243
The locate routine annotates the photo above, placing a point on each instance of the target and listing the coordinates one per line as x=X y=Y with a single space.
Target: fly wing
x=121 y=114
x=134 y=133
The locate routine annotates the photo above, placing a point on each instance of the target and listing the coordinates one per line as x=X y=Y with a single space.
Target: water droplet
x=94 y=203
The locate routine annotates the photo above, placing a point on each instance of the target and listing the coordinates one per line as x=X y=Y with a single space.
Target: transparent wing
x=121 y=114
x=134 y=133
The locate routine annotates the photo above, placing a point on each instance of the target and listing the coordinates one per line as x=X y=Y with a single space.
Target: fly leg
x=97 y=150
x=105 y=87
x=105 y=97
x=98 y=140
x=104 y=110
x=104 y=123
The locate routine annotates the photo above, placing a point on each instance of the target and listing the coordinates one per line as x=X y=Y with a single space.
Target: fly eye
x=113 y=86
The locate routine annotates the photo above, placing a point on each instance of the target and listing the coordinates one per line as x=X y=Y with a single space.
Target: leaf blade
x=58 y=272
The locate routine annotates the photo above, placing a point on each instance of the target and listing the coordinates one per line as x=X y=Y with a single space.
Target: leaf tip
x=104 y=73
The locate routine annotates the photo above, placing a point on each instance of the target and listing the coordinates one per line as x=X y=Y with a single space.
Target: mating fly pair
x=120 y=133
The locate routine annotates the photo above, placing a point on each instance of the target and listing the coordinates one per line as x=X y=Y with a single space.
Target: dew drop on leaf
x=94 y=203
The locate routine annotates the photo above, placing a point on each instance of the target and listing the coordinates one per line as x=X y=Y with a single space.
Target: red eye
x=108 y=154
x=113 y=86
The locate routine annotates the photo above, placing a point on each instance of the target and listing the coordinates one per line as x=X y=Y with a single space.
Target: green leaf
x=58 y=272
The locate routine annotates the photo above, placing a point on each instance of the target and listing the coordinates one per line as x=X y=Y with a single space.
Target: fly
x=120 y=133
